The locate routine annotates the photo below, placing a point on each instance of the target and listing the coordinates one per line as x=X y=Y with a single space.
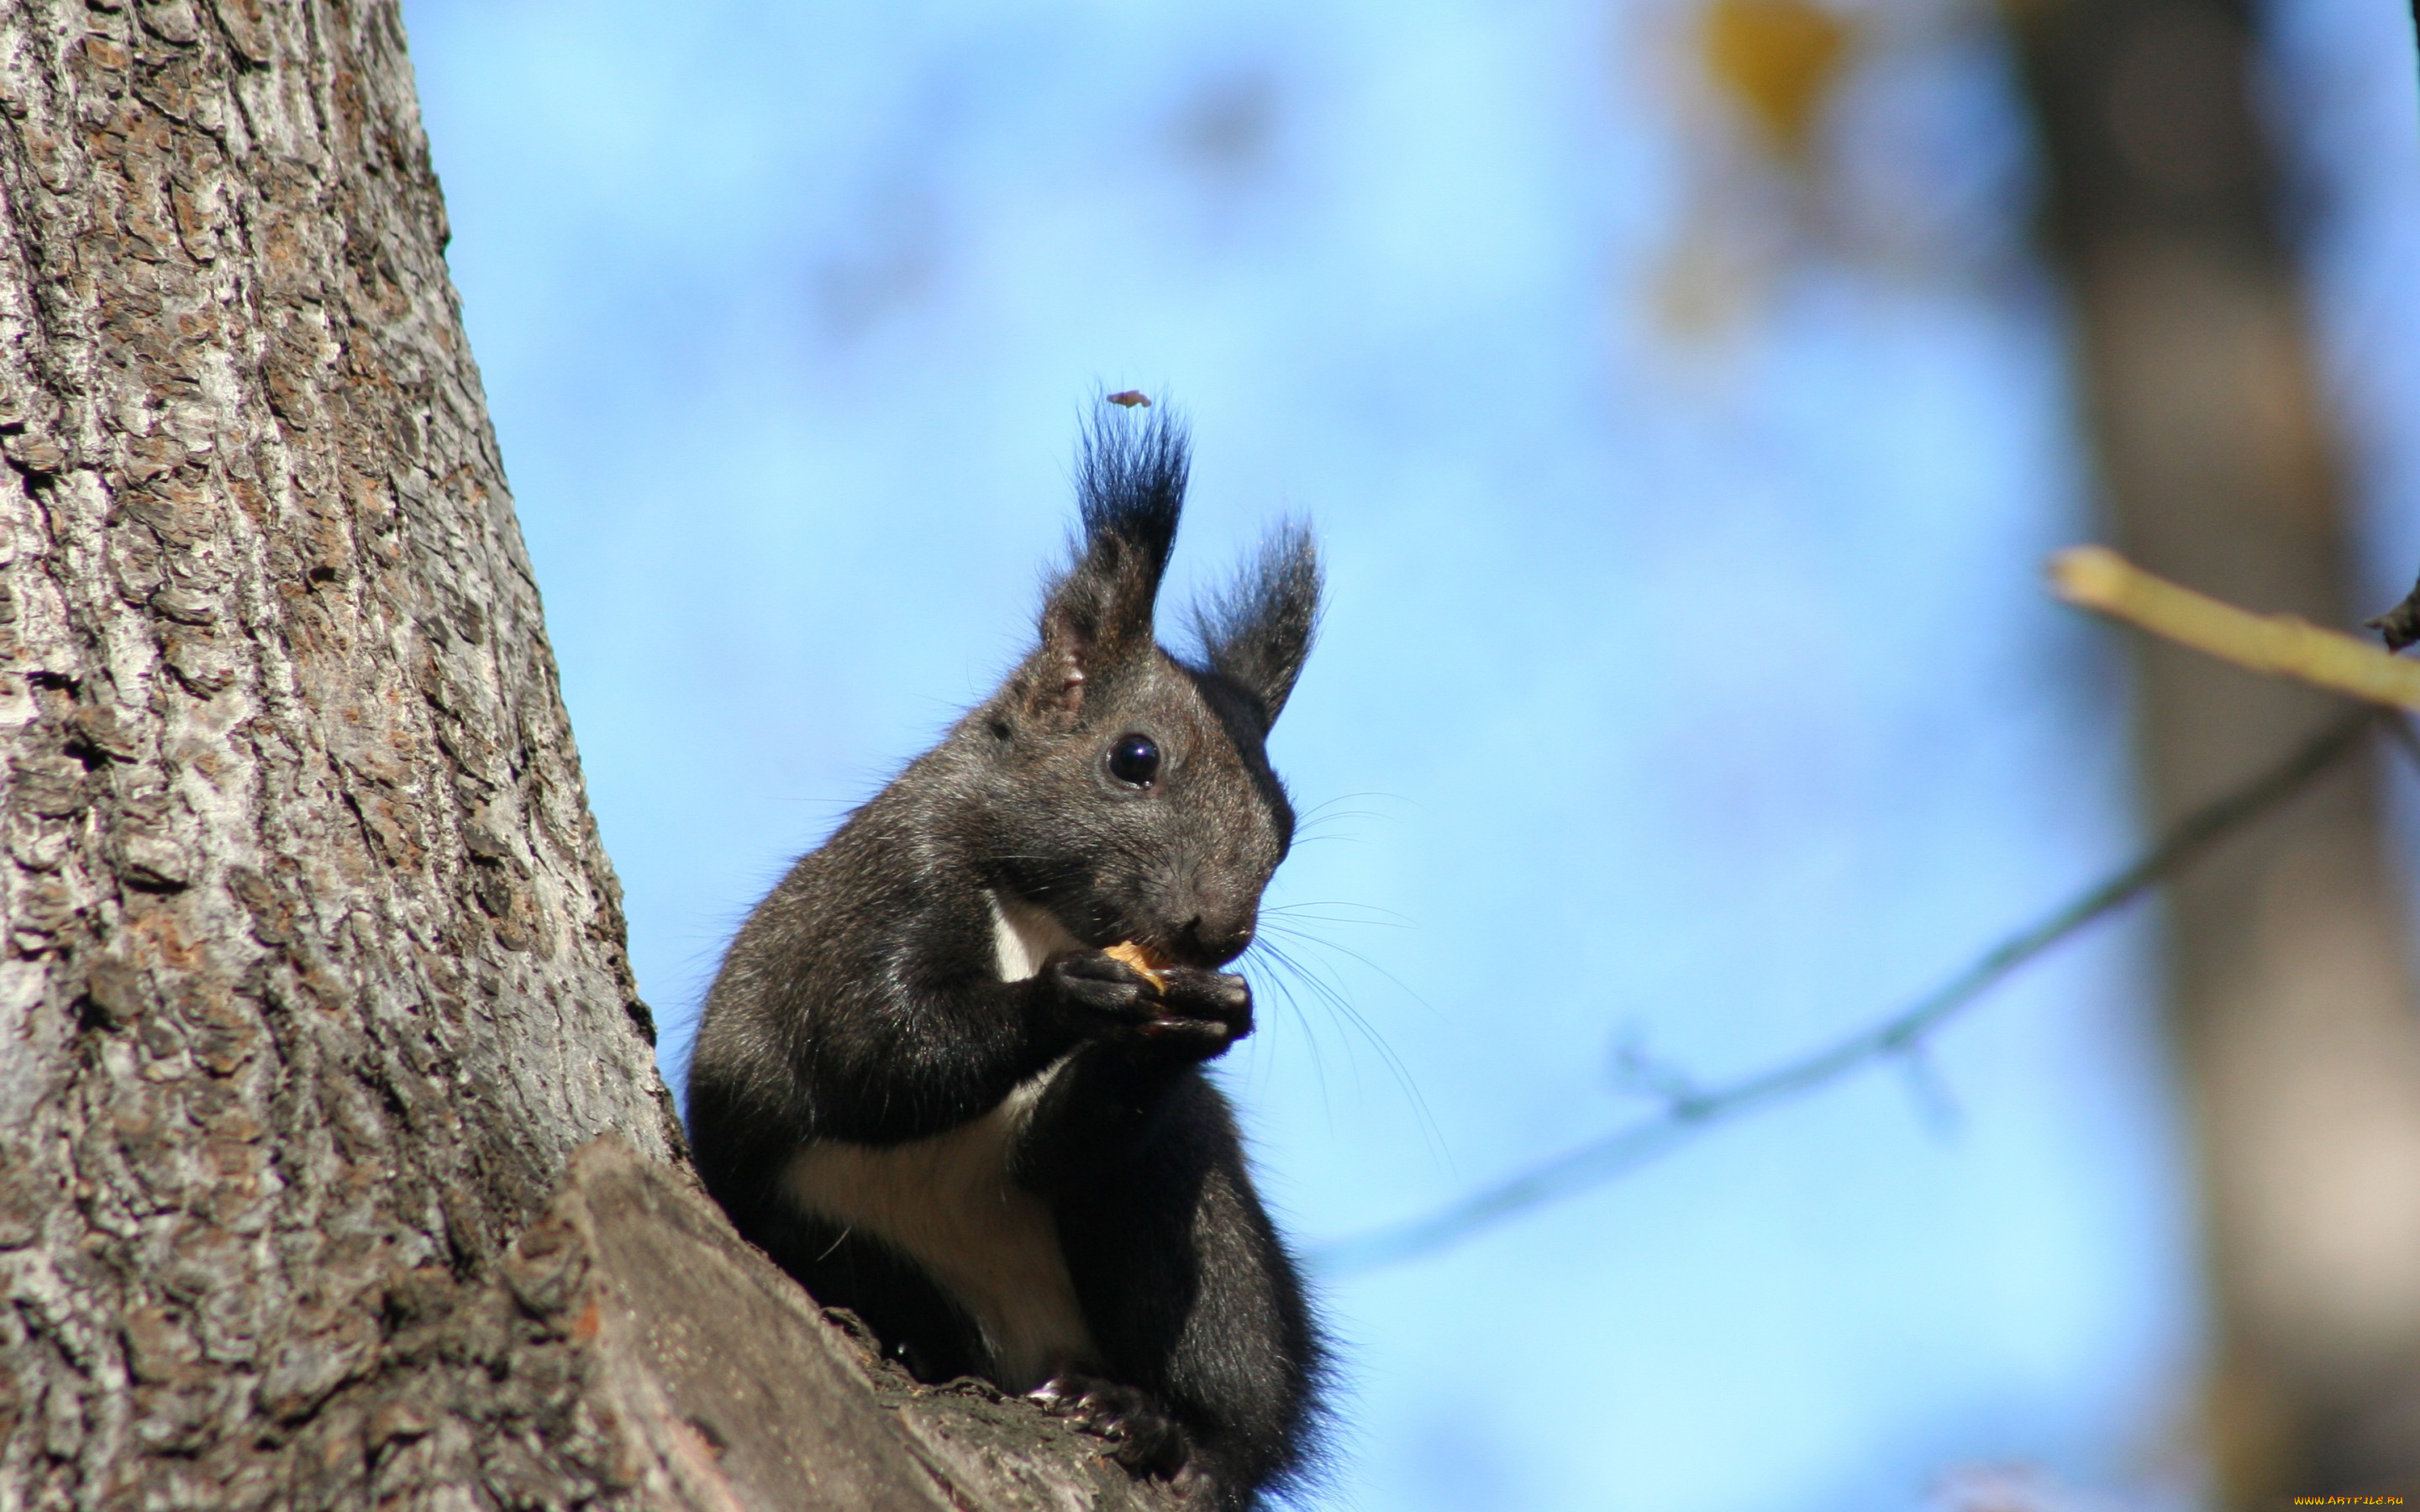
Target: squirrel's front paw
x=1204 y=1012
x=1185 y=1011
x=1099 y=996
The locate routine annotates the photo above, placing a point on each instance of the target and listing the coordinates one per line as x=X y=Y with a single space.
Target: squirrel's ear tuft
x=1257 y=630
x=1130 y=474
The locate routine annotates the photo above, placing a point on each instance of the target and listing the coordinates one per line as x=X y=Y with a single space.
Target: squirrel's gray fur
x=925 y=1090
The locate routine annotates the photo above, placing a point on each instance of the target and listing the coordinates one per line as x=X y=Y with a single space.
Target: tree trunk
x=314 y=969
x=2291 y=993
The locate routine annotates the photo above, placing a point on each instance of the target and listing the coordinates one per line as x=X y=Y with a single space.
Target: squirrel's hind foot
x=1139 y=1433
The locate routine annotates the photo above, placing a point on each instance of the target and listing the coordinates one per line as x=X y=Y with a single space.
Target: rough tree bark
x=2290 y=995
x=313 y=975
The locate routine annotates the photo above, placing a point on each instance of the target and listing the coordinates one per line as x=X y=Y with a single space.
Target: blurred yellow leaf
x=1779 y=60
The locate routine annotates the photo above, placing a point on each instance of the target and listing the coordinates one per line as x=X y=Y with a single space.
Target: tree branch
x=2284 y=646
x=1688 y=1114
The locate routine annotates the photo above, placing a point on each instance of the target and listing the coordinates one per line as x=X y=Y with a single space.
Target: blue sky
x=1693 y=690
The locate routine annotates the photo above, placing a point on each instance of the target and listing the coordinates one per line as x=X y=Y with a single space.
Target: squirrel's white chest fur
x=949 y=1202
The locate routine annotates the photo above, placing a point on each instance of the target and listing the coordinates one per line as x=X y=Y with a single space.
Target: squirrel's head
x=1125 y=791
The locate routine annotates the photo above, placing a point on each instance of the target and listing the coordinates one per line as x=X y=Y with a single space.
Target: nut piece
x=1141 y=959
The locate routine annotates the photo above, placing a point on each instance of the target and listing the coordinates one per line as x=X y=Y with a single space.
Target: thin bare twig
x=2282 y=645
x=1689 y=1113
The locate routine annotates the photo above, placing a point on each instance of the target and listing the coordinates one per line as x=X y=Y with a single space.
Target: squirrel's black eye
x=1134 y=759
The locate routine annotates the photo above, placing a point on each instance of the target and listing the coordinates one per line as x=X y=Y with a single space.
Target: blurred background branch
x=2289 y=988
x=1689 y=1112
x=2096 y=578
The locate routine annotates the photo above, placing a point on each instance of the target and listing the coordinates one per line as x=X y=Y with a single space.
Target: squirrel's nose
x=1213 y=944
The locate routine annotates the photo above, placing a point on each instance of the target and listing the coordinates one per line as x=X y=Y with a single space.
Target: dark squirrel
x=925 y=1090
